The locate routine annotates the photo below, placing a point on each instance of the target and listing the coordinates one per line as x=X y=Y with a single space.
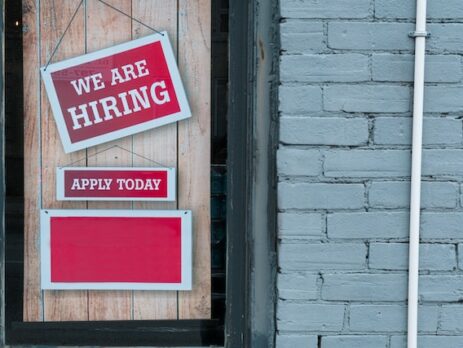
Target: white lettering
x=83 y=85
x=96 y=113
x=138 y=184
x=109 y=104
x=123 y=104
x=163 y=94
x=93 y=183
x=123 y=97
x=148 y=185
x=120 y=182
x=129 y=72
x=156 y=183
x=136 y=98
x=141 y=68
x=129 y=184
x=76 y=117
x=116 y=77
x=97 y=83
x=108 y=183
x=75 y=185
x=85 y=183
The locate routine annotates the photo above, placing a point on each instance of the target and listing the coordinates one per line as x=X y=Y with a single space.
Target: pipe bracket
x=424 y=34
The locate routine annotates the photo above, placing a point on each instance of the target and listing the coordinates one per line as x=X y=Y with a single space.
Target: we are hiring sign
x=115 y=92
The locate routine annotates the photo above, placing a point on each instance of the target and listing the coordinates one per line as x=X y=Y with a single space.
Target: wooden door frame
x=251 y=176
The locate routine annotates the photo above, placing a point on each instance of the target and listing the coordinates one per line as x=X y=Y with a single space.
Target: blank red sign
x=110 y=250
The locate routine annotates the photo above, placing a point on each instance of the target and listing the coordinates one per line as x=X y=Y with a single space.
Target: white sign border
x=171 y=184
x=184 y=112
x=186 y=250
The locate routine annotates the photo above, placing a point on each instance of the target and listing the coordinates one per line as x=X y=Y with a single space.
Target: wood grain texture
x=32 y=305
x=54 y=17
x=194 y=134
x=185 y=146
x=106 y=27
x=158 y=144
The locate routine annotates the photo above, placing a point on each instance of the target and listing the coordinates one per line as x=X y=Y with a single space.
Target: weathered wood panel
x=32 y=307
x=54 y=17
x=185 y=146
x=159 y=145
x=194 y=56
x=106 y=27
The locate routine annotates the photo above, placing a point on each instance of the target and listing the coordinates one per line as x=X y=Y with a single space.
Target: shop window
x=86 y=317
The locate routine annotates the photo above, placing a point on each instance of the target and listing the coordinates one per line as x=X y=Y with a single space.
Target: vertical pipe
x=418 y=100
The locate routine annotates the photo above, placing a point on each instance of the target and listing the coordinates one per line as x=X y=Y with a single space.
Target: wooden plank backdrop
x=185 y=146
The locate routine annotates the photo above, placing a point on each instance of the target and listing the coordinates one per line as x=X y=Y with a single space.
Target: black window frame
x=236 y=329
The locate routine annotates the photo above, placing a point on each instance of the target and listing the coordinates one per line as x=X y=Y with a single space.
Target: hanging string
x=132 y=18
x=74 y=16
x=109 y=148
x=64 y=33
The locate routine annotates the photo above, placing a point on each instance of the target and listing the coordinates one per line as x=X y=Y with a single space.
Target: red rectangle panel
x=108 y=251
x=115 y=249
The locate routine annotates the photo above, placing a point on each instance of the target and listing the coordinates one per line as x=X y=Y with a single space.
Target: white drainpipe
x=418 y=98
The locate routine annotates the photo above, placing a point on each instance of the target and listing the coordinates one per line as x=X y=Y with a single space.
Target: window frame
x=235 y=331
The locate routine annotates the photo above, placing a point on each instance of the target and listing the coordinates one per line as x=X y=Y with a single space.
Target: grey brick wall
x=346 y=73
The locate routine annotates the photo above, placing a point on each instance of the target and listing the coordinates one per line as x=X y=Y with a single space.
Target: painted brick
x=354 y=341
x=436 y=131
x=320 y=196
x=298 y=162
x=367 y=163
x=400 y=67
x=370 y=36
x=297 y=286
x=460 y=256
x=323 y=131
x=407 y=9
x=325 y=8
x=394 y=256
x=300 y=99
x=302 y=37
x=445 y=288
x=446 y=37
x=322 y=256
x=429 y=341
x=304 y=316
x=309 y=59
x=443 y=99
x=446 y=162
x=385 y=225
x=325 y=68
x=396 y=194
x=364 y=287
x=451 y=319
x=294 y=341
x=300 y=225
x=442 y=225
x=366 y=98
x=390 y=318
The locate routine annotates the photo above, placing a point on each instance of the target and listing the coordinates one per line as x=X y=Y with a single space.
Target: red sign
x=118 y=249
x=115 y=184
x=115 y=92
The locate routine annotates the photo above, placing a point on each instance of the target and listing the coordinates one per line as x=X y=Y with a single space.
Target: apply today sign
x=115 y=92
x=115 y=184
